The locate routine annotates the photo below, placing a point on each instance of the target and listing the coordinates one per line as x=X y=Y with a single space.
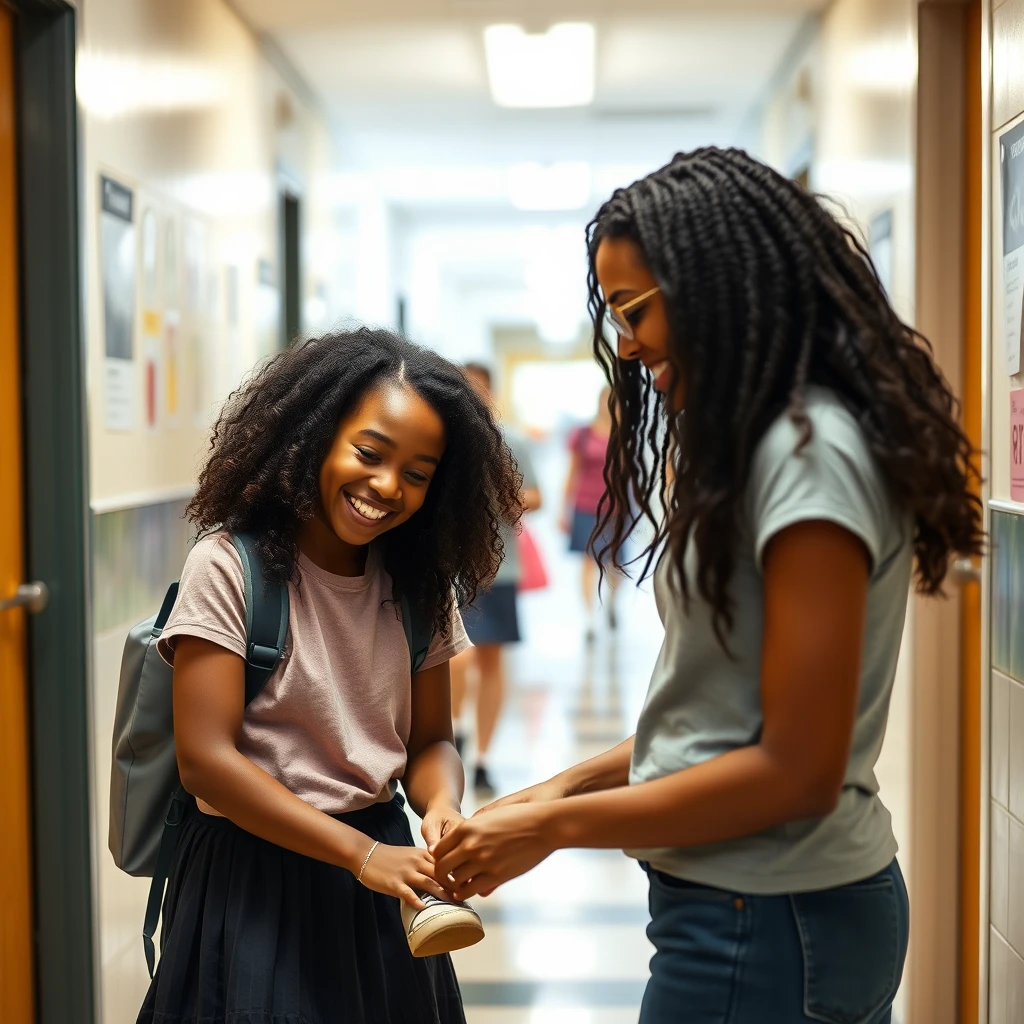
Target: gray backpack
x=147 y=801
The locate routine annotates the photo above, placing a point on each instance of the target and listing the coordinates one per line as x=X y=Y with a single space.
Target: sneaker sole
x=446 y=932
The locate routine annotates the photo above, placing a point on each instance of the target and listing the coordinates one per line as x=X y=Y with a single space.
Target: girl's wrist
x=354 y=851
x=554 y=825
x=443 y=802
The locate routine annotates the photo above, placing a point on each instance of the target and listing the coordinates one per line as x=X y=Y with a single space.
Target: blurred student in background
x=493 y=620
x=584 y=488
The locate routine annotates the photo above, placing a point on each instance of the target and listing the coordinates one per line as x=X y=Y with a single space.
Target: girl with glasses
x=818 y=468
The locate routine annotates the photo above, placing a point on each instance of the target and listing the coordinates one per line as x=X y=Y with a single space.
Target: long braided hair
x=765 y=293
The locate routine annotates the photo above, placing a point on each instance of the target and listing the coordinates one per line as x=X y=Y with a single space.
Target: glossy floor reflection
x=565 y=943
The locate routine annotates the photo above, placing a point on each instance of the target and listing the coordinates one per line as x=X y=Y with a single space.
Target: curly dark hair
x=275 y=431
x=765 y=293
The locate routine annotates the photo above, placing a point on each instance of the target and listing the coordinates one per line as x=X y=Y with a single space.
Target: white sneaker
x=441 y=927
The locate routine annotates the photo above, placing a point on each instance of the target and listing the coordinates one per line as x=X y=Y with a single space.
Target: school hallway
x=566 y=943
x=188 y=188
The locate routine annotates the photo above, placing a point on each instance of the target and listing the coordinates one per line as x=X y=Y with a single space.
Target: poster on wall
x=152 y=321
x=172 y=322
x=117 y=267
x=1011 y=169
x=880 y=247
x=1017 y=445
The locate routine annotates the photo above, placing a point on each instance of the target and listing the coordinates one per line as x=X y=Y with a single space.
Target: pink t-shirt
x=590 y=449
x=332 y=722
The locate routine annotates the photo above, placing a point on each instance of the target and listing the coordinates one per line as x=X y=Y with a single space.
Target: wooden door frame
x=946 y=770
x=985 y=284
x=56 y=508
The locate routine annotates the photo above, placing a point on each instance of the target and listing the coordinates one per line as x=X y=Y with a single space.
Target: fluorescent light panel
x=550 y=69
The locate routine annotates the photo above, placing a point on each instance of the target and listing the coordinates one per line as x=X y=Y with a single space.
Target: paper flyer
x=117 y=267
x=1011 y=165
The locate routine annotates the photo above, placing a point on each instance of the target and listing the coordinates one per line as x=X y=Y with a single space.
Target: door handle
x=33 y=597
x=964 y=571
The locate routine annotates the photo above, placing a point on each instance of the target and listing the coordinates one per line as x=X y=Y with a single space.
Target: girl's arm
x=606 y=771
x=209 y=703
x=815 y=586
x=434 y=779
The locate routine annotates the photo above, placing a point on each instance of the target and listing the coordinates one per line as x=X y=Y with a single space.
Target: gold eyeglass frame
x=616 y=313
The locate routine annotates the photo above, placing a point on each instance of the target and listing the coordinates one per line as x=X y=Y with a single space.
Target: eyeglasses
x=617 y=314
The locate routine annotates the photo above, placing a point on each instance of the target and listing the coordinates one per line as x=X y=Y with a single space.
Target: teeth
x=366 y=511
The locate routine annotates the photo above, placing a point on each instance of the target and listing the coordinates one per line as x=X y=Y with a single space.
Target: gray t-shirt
x=702 y=704
x=511 y=570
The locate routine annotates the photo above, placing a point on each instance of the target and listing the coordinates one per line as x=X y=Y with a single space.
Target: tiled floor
x=565 y=943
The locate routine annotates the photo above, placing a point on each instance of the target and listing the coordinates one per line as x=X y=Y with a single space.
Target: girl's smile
x=374 y=477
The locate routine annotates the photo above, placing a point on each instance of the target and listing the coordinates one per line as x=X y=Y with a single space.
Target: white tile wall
x=1015 y=989
x=1015 y=802
x=1000 y=739
x=1015 y=925
x=998 y=968
x=1006 y=853
x=999 y=877
x=1006 y=709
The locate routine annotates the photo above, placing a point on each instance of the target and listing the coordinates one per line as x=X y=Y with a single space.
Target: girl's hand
x=438 y=822
x=401 y=871
x=544 y=792
x=487 y=850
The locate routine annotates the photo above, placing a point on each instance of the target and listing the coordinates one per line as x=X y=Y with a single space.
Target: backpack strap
x=165 y=610
x=165 y=856
x=418 y=634
x=266 y=629
x=266 y=618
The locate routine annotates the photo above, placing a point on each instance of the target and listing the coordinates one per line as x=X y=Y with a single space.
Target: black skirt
x=256 y=934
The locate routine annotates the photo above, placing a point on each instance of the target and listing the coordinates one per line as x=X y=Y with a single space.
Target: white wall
x=180 y=104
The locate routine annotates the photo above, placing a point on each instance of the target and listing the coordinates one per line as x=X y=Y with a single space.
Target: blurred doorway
x=291 y=262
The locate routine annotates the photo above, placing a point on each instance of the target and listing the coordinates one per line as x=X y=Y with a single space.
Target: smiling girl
x=370 y=474
x=814 y=466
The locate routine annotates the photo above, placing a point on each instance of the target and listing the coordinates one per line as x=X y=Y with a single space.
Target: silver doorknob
x=963 y=570
x=33 y=597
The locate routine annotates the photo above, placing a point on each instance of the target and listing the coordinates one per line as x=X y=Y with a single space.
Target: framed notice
x=117 y=266
x=1011 y=171
x=1017 y=445
x=152 y=320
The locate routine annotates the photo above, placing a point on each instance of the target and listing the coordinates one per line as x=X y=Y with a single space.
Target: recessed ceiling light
x=550 y=69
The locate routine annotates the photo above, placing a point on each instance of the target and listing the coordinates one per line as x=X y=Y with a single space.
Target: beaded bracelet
x=359 y=877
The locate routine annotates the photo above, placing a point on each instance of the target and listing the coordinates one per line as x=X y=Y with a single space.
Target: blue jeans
x=831 y=957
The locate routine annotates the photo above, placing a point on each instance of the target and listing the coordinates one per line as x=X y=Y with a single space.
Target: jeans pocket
x=854 y=940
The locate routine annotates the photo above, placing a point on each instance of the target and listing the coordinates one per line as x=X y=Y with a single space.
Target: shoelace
x=431 y=900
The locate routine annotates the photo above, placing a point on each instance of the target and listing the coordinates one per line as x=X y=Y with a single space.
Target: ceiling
x=404 y=82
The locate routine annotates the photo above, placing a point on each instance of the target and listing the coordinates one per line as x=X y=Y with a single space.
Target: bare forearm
x=255 y=801
x=531 y=499
x=435 y=776
x=738 y=794
x=606 y=771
